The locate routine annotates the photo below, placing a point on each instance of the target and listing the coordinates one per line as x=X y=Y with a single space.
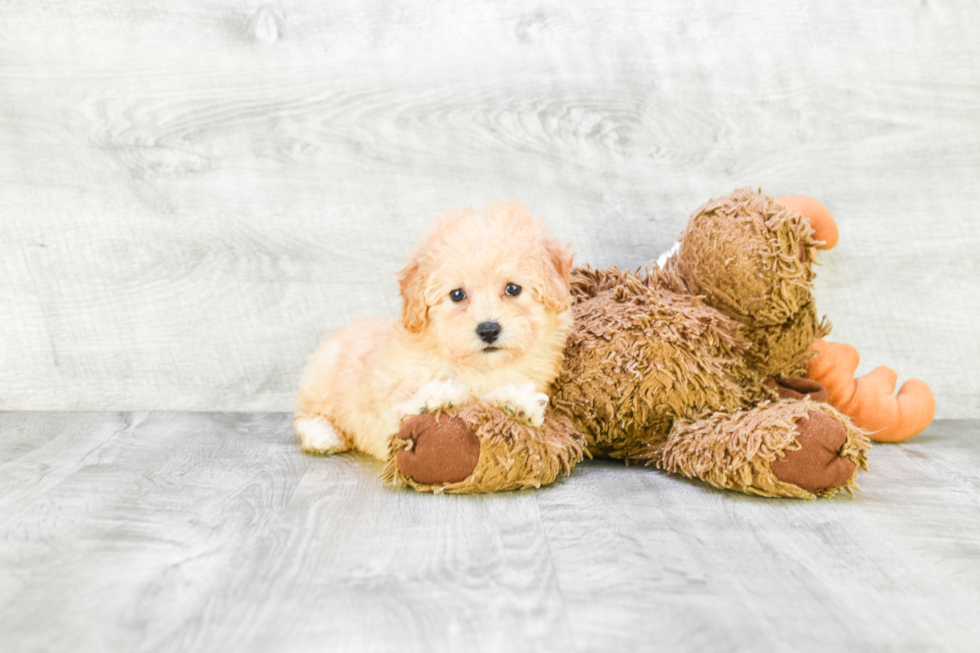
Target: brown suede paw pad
x=795 y=387
x=443 y=449
x=817 y=464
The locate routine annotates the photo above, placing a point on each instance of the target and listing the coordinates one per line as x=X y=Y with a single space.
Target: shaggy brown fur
x=641 y=357
x=673 y=367
x=734 y=451
x=752 y=259
x=513 y=456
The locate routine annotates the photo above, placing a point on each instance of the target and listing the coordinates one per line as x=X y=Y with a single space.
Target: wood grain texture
x=130 y=520
x=192 y=196
x=204 y=532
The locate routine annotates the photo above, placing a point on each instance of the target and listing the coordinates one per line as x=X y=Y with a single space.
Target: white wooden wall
x=192 y=193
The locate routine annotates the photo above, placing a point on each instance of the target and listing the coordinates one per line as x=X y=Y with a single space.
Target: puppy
x=485 y=315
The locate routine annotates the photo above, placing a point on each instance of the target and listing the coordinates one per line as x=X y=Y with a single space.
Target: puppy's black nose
x=488 y=331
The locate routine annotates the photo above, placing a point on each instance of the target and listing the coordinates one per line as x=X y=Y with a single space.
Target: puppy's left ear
x=557 y=269
x=412 y=283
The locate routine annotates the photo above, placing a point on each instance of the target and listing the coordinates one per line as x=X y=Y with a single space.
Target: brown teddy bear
x=696 y=367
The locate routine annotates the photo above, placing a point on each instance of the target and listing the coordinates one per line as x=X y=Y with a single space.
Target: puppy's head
x=488 y=288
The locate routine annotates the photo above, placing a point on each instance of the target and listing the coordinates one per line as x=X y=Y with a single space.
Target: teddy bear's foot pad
x=795 y=387
x=442 y=449
x=817 y=464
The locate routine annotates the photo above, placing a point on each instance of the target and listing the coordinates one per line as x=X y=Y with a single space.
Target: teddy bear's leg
x=800 y=449
x=479 y=448
x=868 y=401
x=751 y=258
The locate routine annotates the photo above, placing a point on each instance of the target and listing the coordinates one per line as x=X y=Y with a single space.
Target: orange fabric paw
x=823 y=223
x=868 y=401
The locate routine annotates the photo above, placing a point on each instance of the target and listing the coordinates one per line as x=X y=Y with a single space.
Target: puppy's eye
x=512 y=289
x=457 y=295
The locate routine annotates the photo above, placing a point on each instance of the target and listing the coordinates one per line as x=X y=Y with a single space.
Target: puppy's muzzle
x=488 y=331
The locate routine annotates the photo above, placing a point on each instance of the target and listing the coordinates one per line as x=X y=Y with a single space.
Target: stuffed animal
x=697 y=366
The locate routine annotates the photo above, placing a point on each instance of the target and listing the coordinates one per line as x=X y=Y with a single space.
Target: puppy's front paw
x=434 y=395
x=520 y=401
x=317 y=435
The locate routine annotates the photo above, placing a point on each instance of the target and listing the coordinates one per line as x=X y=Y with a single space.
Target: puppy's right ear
x=410 y=280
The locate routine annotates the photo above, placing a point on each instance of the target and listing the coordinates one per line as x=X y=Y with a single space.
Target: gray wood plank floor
x=213 y=532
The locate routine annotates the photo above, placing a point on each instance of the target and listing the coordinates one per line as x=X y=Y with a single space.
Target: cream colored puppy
x=485 y=315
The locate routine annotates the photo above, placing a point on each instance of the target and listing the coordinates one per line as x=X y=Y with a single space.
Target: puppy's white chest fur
x=517 y=399
x=480 y=383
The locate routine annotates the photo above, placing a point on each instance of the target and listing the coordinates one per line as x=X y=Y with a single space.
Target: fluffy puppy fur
x=363 y=380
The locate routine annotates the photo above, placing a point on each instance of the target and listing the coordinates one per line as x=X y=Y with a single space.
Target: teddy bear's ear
x=557 y=268
x=412 y=283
